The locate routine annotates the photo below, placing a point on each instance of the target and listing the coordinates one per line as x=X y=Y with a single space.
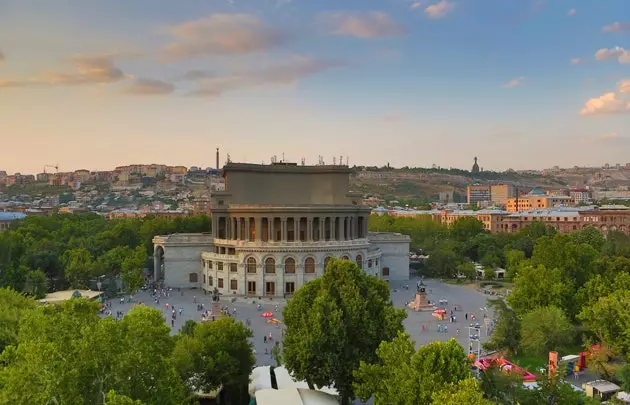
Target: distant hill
x=427 y=183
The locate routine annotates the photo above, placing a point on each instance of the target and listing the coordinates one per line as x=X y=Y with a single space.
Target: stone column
x=365 y=227
x=156 y=264
x=238 y=228
x=283 y=227
x=309 y=229
x=296 y=229
x=322 y=228
x=333 y=228
x=258 y=228
x=247 y=225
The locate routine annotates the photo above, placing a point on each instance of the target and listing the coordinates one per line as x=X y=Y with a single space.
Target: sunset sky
x=519 y=83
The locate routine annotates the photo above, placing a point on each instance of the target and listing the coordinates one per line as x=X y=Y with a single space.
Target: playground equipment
x=505 y=366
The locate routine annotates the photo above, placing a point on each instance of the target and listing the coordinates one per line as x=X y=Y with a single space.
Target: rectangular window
x=220 y=283
x=204 y=279
x=289 y=288
x=385 y=271
x=234 y=285
x=251 y=287
x=370 y=263
x=220 y=266
x=233 y=267
x=210 y=281
x=209 y=264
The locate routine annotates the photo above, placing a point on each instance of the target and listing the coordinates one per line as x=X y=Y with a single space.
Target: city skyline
x=522 y=84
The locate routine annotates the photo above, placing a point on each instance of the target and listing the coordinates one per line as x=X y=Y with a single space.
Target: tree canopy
x=336 y=321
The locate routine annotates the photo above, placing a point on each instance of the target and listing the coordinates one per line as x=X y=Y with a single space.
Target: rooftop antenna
x=347 y=161
x=283 y=156
x=303 y=161
x=340 y=160
x=334 y=161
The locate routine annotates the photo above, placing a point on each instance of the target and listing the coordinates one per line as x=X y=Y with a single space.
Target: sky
x=521 y=84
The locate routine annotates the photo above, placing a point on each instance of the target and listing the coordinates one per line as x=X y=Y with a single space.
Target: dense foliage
x=336 y=321
x=568 y=289
x=67 y=354
x=70 y=250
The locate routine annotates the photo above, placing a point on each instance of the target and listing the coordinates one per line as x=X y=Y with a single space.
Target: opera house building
x=275 y=227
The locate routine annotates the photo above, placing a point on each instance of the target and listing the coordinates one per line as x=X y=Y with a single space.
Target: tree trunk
x=345 y=400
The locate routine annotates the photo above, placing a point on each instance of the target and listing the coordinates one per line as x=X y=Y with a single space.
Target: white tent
x=284 y=380
x=260 y=379
x=294 y=396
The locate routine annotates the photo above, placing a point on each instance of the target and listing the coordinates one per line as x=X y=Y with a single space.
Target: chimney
x=217 y=158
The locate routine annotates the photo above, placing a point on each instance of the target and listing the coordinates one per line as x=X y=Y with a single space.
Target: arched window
x=309 y=265
x=270 y=265
x=251 y=265
x=360 y=261
x=289 y=265
x=326 y=260
x=345 y=258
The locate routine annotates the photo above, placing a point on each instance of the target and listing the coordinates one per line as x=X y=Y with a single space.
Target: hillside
x=426 y=184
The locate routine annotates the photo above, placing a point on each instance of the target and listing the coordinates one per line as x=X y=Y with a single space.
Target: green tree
x=115 y=399
x=443 y=262
x=68 y=354
x=217 y=354
x=514 y=258
x=404 y=376
x=465 y=392
x=623 y=375
x=609 y=319
x=14 y=307
x=36 y=284
x=507 y=331
x=132 y=270
x=545 y=329
x=538 y=287
x=467 y=269
x=466 y=228
x=336 y=321
x=79 y=265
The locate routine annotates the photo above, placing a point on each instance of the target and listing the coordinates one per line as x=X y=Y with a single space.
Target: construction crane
x=56 y=167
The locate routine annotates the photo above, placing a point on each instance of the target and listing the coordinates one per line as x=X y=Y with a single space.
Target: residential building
x=501 y=193
x=580 y=196
x=537 y=200
x=275 y=227
x=477 y=193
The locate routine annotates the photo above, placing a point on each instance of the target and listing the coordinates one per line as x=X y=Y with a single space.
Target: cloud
x=577 y=61
x=99 y=69
x=415 y=5
x=617 y=27
x=605 y=104
x=624 y=86
x=622 y=55
x=287 y=73
x=519 y=81
x=222 y=34
x=440 y=9
x=149 y=87
x=372 y=24
x=572 y=12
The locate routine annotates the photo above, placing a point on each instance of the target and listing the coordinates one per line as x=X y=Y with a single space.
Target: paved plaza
x=469 y=299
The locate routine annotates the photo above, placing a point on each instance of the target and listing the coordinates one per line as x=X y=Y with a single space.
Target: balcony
x=314 y=244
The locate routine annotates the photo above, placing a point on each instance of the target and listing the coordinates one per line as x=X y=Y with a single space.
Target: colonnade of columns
x=290 y=229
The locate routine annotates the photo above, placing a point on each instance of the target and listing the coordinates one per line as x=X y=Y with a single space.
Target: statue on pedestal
x=421 y=303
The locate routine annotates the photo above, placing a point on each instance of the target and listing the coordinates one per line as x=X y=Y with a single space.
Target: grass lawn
x=534 y=363
x=529 y=362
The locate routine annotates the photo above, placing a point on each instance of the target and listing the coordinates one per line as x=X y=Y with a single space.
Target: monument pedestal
x=215 y=311
x=421 y=303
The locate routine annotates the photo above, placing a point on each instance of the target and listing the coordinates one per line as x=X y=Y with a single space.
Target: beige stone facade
x=276 y=227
